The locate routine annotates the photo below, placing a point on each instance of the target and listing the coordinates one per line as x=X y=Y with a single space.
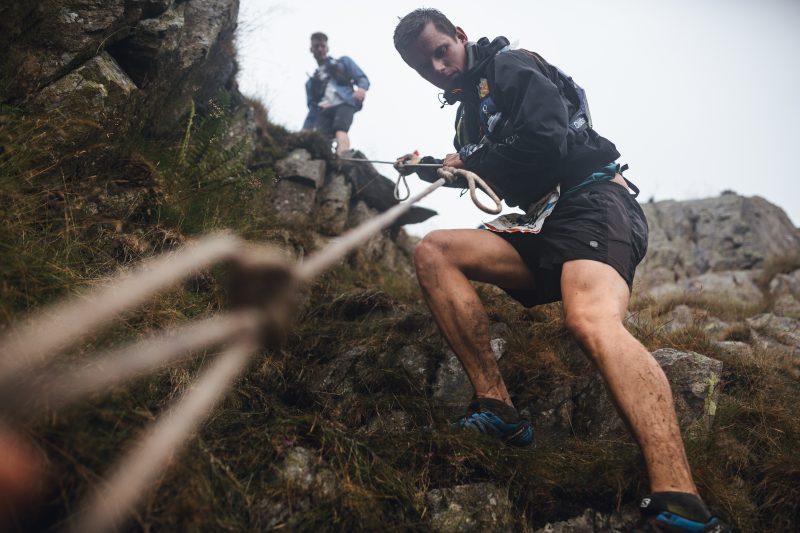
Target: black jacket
x=515 y=102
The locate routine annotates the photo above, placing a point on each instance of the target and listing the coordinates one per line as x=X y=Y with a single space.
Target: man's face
x=436 y=56
x=319 y=48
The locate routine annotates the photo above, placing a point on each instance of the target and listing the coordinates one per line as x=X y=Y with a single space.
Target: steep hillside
x=123 y=135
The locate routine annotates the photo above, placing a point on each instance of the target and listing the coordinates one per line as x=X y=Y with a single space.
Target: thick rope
x=450 y=173
x=264 y=280
x=140 y=467
x=347 y=242
x=57 y=390
x=378 y=162
x=61 y=326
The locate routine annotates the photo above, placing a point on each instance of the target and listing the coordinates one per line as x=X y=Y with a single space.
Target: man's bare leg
x=342 y=142
x=595 y=302
x=445 y=261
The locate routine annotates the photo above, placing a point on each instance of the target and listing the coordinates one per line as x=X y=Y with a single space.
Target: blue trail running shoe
x=495 y=418
x=677 y=512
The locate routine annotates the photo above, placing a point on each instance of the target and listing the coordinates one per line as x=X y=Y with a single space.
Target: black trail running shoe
x=677 y=512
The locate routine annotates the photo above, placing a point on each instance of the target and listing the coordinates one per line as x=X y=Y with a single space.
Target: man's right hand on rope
x=453 y=161
x=404 y=163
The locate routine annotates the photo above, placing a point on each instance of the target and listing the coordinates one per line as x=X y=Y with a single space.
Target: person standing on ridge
x=524 y=126
x=330 y=94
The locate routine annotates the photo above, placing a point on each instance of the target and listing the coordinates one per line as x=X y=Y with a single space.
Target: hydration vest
x=581 y=119
x=493 y=125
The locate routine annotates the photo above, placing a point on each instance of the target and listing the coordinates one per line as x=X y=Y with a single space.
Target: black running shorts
x=601 y=221
x=336 y=118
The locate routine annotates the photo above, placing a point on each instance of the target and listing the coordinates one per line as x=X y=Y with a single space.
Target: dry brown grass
x=747 y=468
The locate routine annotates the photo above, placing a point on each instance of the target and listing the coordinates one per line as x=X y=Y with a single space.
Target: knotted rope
x=449 y=174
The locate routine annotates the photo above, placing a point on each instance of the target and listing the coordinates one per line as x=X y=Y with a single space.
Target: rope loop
x=449 y=174
x=401 y=178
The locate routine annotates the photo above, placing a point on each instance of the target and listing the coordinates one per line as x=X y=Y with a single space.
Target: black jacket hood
x=478 y=55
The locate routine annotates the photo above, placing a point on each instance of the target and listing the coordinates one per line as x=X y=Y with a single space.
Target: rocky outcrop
x=581 y=405
x=776 y=333
x=328 y=198
x=738 y=284
x=377 y=191
x=592 y=521
x=317 y=198
x=334 y=205
x=452 y=389
x=161 y=53
x=92 y=90
x=477 y=507
x=308 y=482
x=785 y=291
x=726 y=239
x=46 y=40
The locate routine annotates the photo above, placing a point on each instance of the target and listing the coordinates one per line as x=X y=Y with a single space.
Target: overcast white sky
x=698 y=95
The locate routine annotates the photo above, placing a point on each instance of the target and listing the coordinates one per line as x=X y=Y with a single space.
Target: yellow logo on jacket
x=483 y=87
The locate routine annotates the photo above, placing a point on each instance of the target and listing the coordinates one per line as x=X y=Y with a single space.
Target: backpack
x=336 y=71
x=496 y=127
x=580 y=119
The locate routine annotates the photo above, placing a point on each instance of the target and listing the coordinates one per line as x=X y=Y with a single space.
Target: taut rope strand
x=471 y=177
x=141 y=466
x=262 y=292
x=338 y=248
x=57 y=390
x=61 y=326
x=375 y=161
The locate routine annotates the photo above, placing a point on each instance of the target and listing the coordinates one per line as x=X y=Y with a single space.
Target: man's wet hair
x=319 y=36
x=410 y=26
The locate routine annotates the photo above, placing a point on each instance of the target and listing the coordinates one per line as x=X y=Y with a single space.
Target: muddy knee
x=587 y=330
x=430 y=256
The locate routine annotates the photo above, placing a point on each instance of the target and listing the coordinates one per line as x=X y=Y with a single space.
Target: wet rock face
x=149 y=43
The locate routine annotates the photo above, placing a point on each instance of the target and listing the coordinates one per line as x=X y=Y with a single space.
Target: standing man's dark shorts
x=336 y=118
x=601 y=221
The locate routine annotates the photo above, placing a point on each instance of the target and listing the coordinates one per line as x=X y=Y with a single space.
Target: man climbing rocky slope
x=123 y=135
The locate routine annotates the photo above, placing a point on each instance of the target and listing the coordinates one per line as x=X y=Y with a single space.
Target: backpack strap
x=337 y=71
x=581 y=119
x=630 y=184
